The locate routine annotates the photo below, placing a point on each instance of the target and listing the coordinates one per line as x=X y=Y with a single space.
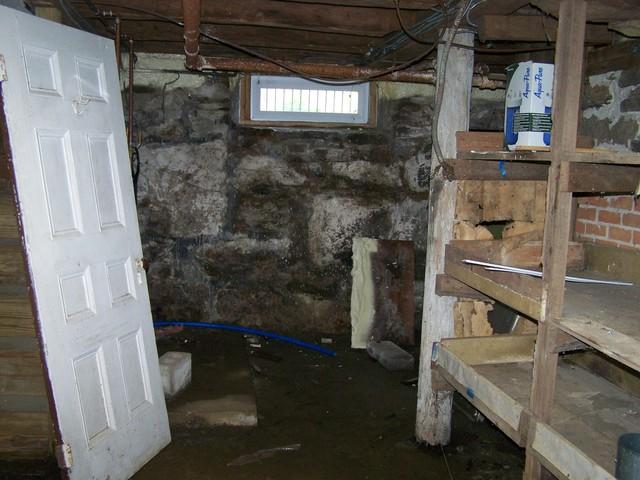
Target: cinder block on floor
x=390 y=356
x=175 y=371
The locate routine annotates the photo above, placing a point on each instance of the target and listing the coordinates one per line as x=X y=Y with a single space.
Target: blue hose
x=250 y=331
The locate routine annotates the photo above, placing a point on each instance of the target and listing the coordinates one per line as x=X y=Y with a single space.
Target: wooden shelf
x=589 y=414
x=602 y=316
x=579 y=156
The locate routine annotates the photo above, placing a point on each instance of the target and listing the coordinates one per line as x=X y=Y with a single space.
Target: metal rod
x=191 y=19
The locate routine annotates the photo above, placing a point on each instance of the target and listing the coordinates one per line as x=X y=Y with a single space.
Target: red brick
x=636 y=238
x=623 y=202
x=620 y=234
x=595 y=229
x=606 y=216
x=580 y=227
x=586 y=213
x=631 y=220
x=596 y=201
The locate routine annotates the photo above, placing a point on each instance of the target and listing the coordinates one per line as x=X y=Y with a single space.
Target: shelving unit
x=567 y=418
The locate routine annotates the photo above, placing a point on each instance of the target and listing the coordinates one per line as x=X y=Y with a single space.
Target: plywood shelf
x=603 y=316
x=495 y=375
x=581 y=155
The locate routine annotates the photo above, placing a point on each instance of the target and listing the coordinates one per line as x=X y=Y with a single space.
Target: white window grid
x=292 y=99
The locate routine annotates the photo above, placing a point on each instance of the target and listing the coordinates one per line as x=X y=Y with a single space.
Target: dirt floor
x=340 y=418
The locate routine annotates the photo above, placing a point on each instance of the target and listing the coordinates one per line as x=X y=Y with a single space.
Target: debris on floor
x=262 y=454
x=229 y=410
x=390 y=356
x=175 y=371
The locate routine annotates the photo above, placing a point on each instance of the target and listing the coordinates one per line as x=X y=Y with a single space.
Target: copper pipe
x=118 y=46
x=334 y=71
x=130 y=100
x=191 y=19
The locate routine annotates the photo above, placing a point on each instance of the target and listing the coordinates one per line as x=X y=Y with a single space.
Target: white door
x=75 y=198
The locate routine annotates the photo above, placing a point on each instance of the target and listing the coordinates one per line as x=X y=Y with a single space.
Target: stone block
x=175 y=372
x=230 y=410
x=390 y=356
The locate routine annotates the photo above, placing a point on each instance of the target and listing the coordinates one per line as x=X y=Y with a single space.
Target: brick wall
x=611 y=220
x=611 y=115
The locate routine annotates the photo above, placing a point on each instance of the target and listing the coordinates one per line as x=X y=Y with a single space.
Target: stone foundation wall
x=254 y=225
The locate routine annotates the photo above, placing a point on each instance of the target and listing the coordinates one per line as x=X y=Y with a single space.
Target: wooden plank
x=601 y=178
x=516 y=252
x=11 y=263
x=563 y=458
x=597 y=10
x=619 y=56
x=433 y=415
x=494 y=141
x=492 y=349
x=16 y=318
x=450 y=287
x=478 y=170
x=25 y=435
x=502 y=410
x=583 y=177
x=619 y=263
x=520 y=292
x=269 y=13
x=614 y=372
x=500 y=200
x=566 y=112
x=603 y=156
x=532 y=28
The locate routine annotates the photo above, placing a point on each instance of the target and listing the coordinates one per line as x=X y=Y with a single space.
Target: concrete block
x=390 y=356
x=175 y=371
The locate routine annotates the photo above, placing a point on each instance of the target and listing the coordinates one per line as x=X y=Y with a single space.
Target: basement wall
x=254 y=225
x=611 y=115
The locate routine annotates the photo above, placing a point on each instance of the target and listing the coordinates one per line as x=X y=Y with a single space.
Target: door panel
x=75 y=199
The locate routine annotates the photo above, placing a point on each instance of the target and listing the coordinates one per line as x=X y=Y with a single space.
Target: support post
x=566 y=113
x=433 y=417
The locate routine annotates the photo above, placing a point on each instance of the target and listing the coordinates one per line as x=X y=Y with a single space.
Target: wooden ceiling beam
x=157 y=31
x=274 y=13
x=598 y=10
x=532 y=28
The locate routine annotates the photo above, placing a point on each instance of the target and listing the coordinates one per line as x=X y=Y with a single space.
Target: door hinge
x=64 y=456
x=3 y=69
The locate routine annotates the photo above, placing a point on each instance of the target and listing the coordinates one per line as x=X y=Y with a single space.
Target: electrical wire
x=281 y=64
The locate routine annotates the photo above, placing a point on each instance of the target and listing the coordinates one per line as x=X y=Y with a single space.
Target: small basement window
x=270 y=100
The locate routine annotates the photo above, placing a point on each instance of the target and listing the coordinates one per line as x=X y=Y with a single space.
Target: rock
x=594 y=96
x=230 y=410
x=175 y=372
x=390 y=356
x=629 y=77
x=632 y=102
x=333 y=223
x=182 y=189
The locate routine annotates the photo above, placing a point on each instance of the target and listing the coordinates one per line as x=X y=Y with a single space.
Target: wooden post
x=566 y=112
x=433 y=417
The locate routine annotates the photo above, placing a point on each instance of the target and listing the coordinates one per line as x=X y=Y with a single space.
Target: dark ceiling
x=354 y=32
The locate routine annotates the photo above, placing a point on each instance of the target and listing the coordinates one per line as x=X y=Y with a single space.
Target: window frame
x=246 y=102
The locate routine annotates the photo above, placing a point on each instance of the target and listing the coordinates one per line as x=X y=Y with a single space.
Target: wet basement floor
x=341 y=418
